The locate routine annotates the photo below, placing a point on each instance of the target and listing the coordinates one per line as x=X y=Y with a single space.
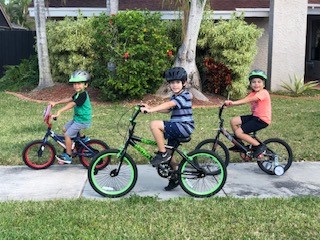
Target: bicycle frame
x=133 y=139
x=59 y=138
x=229 y=136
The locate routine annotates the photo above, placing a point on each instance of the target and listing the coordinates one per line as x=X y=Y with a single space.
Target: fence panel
x=15 y=45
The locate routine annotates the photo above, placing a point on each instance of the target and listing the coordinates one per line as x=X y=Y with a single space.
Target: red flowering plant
x=218 y=76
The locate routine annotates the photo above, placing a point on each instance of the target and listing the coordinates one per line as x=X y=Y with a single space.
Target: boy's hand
x=144 y=110
x=52 y=104
x=228 y=103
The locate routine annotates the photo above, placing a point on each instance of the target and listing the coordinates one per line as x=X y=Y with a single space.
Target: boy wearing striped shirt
x=181 y=123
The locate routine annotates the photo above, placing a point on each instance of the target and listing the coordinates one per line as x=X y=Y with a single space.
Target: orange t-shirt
x=262 y=107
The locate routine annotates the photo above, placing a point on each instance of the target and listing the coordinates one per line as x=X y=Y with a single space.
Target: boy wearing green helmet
x=259 y=99
x=80 y=102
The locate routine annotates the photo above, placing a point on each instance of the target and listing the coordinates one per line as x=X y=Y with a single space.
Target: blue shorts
x=73 y=128
x=251 y=123
x=172 y=132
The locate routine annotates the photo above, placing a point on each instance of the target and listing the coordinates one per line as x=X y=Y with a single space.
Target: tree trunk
x=45 y=78
x=186 y=56
x=112 y=7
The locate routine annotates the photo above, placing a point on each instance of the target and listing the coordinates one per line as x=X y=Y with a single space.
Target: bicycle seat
x=184 y=139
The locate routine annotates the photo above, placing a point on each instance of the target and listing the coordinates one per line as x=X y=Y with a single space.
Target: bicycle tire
x=97 y=146
x=220 y=149
x=285 y=155
x=38 y=155
x=105 y=182
x=202 y=184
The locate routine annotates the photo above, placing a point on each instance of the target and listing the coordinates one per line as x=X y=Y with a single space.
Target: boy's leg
x=157 y=129
x=253 y=125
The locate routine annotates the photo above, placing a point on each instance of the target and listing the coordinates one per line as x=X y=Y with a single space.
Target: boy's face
x=257 y=84
x=176 y=86
x=79 y=86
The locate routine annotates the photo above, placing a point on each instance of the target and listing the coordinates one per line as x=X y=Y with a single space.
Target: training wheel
x=279 y=170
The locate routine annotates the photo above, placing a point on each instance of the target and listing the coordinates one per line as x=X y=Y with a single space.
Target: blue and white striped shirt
x=182 y=113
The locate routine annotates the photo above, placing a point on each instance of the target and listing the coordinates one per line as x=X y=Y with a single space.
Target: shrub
x=233 y=43
x=297 y=86
x=137 y=44
x=22 y=77
x=218 y=77
x=70 y=44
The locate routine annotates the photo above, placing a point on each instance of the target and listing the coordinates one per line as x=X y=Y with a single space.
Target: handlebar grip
x=145 y=111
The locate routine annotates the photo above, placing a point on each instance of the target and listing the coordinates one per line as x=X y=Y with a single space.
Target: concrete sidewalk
x=70 y=181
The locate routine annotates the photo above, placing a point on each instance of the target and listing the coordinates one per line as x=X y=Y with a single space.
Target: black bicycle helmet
x=79 y=76
x=257 y=73
x=176 y=73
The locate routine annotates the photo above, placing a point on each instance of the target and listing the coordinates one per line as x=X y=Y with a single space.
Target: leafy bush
x=137 y=44
x=297 y=86
x=218 y=77
x=22 y=77
x=233 y=43
x=70 y=44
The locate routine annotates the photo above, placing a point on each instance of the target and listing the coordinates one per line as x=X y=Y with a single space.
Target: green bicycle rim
x=111 y=192
x=186 y=185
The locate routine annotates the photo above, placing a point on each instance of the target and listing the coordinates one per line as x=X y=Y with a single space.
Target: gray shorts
x=73 y=128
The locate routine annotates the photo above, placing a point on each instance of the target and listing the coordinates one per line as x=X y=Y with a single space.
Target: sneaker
x=160 y=158
x=173 y=183
x=259 y=149
x=64 y=158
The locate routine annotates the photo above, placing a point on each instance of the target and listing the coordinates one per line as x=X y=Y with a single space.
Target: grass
x=148 y=218
x=296 y=120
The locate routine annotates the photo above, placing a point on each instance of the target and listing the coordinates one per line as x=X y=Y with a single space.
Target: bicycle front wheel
x=276 y=148
x=39 y=155
x=117 y=178
x=218 y=148
x=203 y=174
x=94 y=147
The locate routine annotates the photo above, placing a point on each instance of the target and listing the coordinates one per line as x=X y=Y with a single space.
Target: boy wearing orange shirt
x=260 y=102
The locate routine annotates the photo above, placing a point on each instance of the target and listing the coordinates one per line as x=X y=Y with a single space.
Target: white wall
x=261 y=59
x=287 y=31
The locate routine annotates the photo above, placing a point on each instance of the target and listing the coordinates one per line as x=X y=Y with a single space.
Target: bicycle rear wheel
x=205 y=182
x=39 y=155
x=117 y=178
x=279 y=148
x=218 y=148
x=86 y=155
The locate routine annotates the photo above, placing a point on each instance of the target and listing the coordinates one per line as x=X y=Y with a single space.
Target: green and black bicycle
x=201 y=173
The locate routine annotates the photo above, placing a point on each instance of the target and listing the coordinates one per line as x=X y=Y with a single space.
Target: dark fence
x=15 y=46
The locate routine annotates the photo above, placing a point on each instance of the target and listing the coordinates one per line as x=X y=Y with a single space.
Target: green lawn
x=149 y=218
x=296 y=120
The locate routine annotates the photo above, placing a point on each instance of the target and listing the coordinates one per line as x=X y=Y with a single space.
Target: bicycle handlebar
x=221 y=110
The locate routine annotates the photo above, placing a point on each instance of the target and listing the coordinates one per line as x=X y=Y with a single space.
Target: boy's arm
x=65 y=108
x=247 y=99
x=163 y=108
x=65 y=100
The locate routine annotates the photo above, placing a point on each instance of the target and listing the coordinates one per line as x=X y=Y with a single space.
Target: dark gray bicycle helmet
x=79 y=76
x=257 y=73
x=176 y=73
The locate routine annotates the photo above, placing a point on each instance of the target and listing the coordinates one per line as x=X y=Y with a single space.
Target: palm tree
x=193 y=12
x=45 y=78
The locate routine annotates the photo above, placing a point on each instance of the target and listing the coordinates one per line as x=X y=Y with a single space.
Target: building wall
x=261 y=59
x=287 y=42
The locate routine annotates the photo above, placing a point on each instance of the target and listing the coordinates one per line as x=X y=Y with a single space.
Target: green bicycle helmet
x=79 y=76
x=257 y=73
x=176 y=73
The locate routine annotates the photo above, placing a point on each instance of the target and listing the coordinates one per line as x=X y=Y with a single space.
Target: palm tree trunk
x=45 y=78
x=186 y=56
